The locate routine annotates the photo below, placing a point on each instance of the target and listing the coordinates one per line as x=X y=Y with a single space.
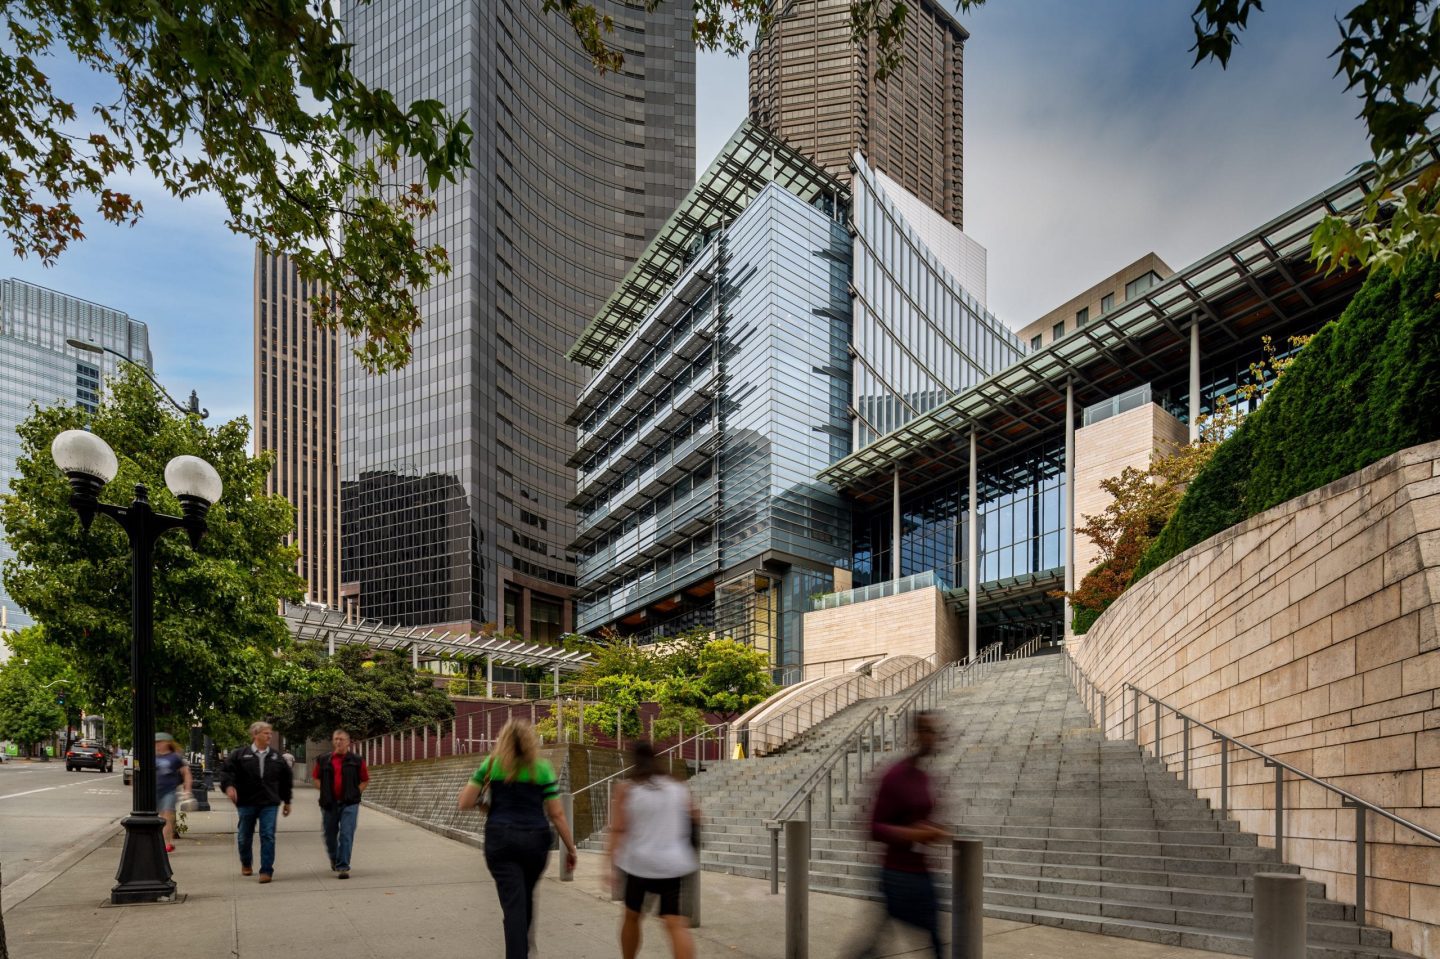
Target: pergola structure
x=330 y=626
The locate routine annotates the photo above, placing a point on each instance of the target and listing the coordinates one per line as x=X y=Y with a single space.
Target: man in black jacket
x=258 y=781
x=341 y=777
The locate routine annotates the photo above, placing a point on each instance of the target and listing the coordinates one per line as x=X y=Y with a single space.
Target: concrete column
x=967 y=919
x=972 y=551
x=797 y=889
x=1195 y=378
x=1068 y=540
x=489 y=677
x=895 y=528
x=414 y=657
x=331 y=643
x=1279 y=916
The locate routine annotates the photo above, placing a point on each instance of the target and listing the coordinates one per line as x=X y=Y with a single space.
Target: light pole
x=89 y=463
x=91 y=347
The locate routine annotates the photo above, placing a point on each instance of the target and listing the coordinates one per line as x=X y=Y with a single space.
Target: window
x=1140 y=284
x=1082 y=316
x=1107 y=303
x=1058 y=331
x=1035 y=342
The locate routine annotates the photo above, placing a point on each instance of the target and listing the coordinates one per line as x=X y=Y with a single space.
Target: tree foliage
x=217 y=629
x=1389 y=54
x=254 y=102
x=29 y=713
x=365 y=691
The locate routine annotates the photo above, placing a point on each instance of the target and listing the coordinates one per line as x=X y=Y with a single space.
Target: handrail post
x=1159 y=751
x=830 y=797
x=845 y=776
x=1102 y=716
x=1224 y=775
x=1279 y=809
x=774 y=859
x=1185 y=747
x=1135 y=712
x=1360 y=877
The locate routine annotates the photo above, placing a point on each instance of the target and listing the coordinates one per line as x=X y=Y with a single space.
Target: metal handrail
x=855 y=736
x=664 y=752
x=1090 y=694
x=1028 y=649
x=885 y=687
x=1348 y=800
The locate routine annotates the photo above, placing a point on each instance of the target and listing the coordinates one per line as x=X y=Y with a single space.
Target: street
x=44 y=809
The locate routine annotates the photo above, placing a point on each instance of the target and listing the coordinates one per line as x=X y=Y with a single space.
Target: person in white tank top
x=650 y=842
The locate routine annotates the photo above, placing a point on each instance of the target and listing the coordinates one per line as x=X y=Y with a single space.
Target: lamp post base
x=144 y=873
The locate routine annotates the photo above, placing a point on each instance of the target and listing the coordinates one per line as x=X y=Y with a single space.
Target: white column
x=895 y=528
x=332 y=643
x=1068 y=540
x=414 y=657
x=1195 y=378
x=490 y=677
x=972 y=552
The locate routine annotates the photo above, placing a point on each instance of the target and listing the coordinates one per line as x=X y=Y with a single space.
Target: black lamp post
x=193 y=409
x=89 y=463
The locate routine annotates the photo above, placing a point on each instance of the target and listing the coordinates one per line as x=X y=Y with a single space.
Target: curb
x=468 y=838
x=57 y=865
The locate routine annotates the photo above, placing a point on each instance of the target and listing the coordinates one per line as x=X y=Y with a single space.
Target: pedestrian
x=522 y=794
x=651 y=842
x=901 y=817
x=259 y=784
x=342 y=777
x=172 y=781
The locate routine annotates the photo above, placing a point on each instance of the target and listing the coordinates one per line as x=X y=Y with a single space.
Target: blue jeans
x=339 y=826
x=245 y=834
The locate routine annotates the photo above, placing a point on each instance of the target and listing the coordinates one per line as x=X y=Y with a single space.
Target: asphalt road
x=44 y=809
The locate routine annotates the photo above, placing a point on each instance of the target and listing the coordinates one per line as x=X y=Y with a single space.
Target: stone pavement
x=413 y=893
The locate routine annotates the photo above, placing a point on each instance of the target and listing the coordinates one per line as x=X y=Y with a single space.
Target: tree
x=1389 y=53
x=217 y=627
x=29 y=714
x=365 y=691
x=257 y=103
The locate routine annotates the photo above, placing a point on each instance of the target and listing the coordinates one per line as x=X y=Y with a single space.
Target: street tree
x=29 y=713
x=256 y=103
x=1388 y=52
x=365 y=691
x=217 y=627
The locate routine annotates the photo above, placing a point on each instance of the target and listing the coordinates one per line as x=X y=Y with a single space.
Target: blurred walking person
x=521 y=797
x=901 y=818
x=651 y=841
x=172 y=782
x=258 y=782
x=341 y=776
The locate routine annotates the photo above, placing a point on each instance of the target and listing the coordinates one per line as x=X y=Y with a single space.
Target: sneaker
x=344 y=873
x=265 y=877
x=169 y=847
x=246 y=870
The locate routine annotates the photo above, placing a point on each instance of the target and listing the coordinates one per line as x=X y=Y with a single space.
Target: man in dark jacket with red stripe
x=342 y=777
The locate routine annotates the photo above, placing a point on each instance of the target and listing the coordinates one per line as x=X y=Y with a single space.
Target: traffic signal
x=60 y=699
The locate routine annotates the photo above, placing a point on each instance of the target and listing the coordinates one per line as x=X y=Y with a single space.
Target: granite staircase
x=1079 y=832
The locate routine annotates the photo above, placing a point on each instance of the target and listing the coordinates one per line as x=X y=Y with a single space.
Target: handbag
x=483 y=803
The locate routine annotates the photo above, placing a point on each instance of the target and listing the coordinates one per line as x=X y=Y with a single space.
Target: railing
x=892 y=587
x=790 y=675
x=1028 y=649
x=867 y=737
x=482 y=688
x=472 y=734
x=598 y=798
x=774 y=732
x=1090 y=694
x=1348 y=800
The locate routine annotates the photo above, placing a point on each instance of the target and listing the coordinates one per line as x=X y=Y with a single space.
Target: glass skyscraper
x=39 y=369
x=454 y=483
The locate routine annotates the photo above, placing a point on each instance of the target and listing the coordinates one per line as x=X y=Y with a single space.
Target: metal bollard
x=567 y=803
x=1279 y=928
x=967 y=891
x=797 y=889
x=774 y=859
x=690 y=898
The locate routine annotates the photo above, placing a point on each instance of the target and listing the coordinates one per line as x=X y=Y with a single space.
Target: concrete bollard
x=567 y=803
x=1279 y=928
x=797 y=889
x=967 y=892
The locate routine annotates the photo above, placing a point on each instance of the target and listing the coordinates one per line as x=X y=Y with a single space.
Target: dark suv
x=88 y=754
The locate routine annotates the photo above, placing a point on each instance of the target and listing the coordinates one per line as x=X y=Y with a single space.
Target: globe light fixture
x=89 y=464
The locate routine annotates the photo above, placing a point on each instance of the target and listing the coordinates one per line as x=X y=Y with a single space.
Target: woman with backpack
x=652 y=842
x=521 y=795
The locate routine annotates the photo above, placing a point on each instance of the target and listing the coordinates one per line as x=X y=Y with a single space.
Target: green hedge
x=1366 y=386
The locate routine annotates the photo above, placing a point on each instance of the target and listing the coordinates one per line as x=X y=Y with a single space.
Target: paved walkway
x=413 y=893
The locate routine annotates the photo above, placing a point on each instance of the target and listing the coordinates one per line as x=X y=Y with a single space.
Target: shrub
x=1366 y=386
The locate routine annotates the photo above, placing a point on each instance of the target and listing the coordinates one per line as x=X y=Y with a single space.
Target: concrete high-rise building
x=455 y=489
x=815 y=88
x=37 y=367
x=297 y=382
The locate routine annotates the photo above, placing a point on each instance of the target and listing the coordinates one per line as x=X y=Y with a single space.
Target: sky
x=1089 y=141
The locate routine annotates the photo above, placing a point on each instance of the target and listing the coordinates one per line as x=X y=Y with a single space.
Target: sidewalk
x=413 y=893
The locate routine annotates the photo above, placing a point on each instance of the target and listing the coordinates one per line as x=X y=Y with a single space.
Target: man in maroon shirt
x=341 y=776
x=901 y=819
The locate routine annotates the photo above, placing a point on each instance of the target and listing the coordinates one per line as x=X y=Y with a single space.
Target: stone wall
x=1310 y=631
x=917 y=623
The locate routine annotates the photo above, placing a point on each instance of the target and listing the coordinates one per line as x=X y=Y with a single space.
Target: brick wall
x=1311 y=631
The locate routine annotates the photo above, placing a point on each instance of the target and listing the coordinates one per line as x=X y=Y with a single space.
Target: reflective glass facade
x=38 y=368
x=455 y=487
x=703 y=500
x=920 y=336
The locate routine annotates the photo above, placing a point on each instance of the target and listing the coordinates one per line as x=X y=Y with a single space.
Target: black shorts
x=668 y=890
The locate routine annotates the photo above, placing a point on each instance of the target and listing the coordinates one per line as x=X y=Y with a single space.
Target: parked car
x=127 y=767
x=88 y=754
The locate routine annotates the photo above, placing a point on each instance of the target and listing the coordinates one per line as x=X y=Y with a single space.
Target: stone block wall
x=917 y=623
x=1312 y=632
